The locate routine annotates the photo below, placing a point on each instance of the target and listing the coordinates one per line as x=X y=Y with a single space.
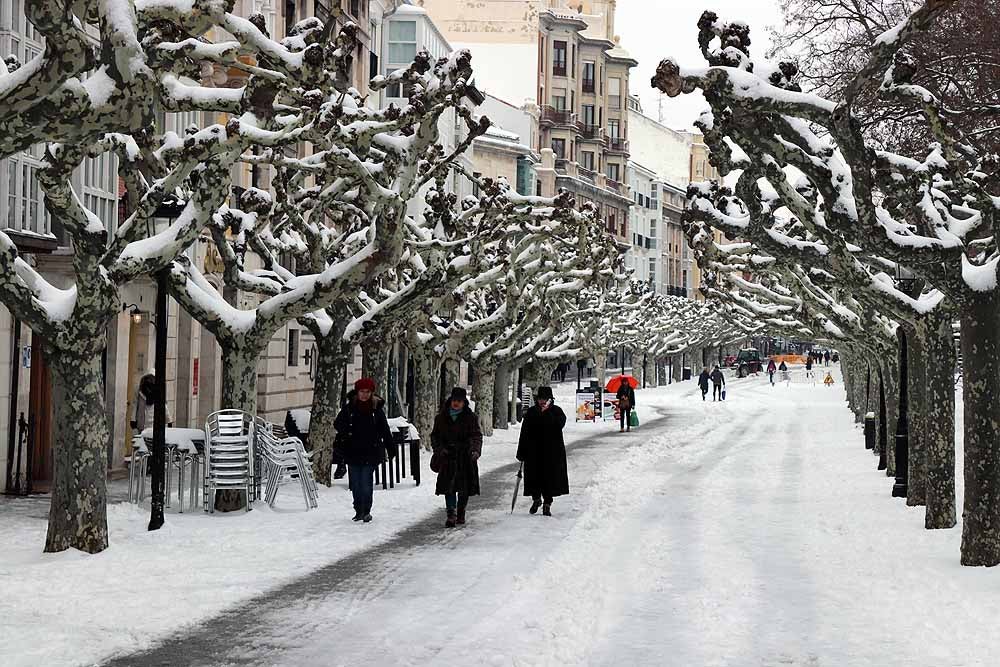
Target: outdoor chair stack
x=285 y=460
x=137 y=466
x=229 y=456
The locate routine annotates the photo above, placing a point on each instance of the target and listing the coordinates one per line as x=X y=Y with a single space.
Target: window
x=572 y=60
x=615 y=93
x=559 y=148
x=588 y=115
x=559 y=99
x=587 y=160
x=559 y=59
x=614 y=172
x=356 y=8
x=614 y=128
x=402 y=42
x=652 y=268
x=538 y=188
x=588 y=76
x=475 y=183
x=293 y=347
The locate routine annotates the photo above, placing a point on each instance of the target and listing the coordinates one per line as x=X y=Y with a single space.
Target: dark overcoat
x=454 y=442
x=543 y=451
x=363 y=437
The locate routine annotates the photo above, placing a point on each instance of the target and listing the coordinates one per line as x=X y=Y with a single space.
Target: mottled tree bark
x=501 y=396
x=482 y=391
x=891 y=378
x=239 y=392
x=78 y=511
x=678 y=370
x=452 y=370
x=938 y=424
x=330 y=367
x=426 y=371
x=981 y=369
x=375 y=351
x=916 y=475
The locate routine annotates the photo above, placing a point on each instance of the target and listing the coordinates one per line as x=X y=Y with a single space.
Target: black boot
x=450 y=521
x=358 y=515
x=535 y=504
x=547 y=509
x=340 y=471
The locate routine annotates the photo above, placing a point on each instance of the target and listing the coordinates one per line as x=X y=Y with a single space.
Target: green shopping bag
x=633 y=419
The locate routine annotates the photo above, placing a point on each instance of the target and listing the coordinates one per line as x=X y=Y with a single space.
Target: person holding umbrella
x=626 y=401
x=543 y=453
x=457 y=441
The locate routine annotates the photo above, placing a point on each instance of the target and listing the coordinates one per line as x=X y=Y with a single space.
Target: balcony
x=589 y=86
x=557 y=116
x=618 y=145
x=587 y=174
x=562 y=165
x=590 y=132
x=614 y=185
x=650 y=244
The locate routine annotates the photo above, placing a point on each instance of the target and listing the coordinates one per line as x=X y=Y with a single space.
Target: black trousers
x=538 y=498
x=717 y=391
x=623 y=417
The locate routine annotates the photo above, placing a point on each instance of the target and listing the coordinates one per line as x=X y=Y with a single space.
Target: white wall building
x=643 y=255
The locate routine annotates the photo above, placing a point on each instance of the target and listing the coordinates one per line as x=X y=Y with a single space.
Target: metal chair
x=229 y=456
x=284 y=460
x=137 y=464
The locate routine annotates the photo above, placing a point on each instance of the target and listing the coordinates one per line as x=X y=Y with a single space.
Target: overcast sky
x=654 y=29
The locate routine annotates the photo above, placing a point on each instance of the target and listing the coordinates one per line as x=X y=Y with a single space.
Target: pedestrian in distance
x=365 y=438
x=718 y=383
x=145 y=400
x=626 y=402
x=703 y=382
x=771 y=368
x=826 y=358
x=809 y=366
x=457 y=441
x=543 y=452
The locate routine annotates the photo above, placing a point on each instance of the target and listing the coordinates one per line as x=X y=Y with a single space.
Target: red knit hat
x=365 y=383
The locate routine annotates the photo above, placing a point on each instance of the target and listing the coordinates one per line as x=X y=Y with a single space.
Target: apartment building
x=579 y=82
x=506 y=148
x=643 y=257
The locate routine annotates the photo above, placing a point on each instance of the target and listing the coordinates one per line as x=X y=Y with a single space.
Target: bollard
x=415 y=460
x=870 y=430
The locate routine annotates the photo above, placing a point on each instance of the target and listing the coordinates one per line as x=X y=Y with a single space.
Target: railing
x=614 y=185
x=587 y=174
x=557 y=116
x=617 y=144
x=589 y=86
x=590 y=131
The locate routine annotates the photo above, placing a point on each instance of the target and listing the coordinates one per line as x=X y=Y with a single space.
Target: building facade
x=643 y=257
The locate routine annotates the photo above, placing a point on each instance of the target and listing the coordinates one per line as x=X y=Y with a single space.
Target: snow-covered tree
x=863 y=212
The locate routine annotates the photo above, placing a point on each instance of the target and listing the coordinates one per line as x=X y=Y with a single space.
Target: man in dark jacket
x=626 y=401
x=771 y=368
x=718 y=384
x=364 y=434
x=703 y=382
x=543 y=452
x=457 y=441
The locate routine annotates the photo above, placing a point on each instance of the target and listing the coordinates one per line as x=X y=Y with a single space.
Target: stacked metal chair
x=284 y=460
x=137 y=465
x=229 y=456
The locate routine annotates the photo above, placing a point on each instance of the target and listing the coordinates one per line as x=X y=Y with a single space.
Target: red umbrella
x=616 y=382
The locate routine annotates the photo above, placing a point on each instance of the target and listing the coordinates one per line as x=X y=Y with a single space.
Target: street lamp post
x=643 y=370
x=623 y=360
x=906 y=282
x=169 y=209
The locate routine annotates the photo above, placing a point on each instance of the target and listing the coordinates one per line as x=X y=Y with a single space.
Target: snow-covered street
x=750 y=532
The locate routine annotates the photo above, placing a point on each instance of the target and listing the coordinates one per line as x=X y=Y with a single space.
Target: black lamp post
x=643 y=370
x=623 y=360
x=169 y=209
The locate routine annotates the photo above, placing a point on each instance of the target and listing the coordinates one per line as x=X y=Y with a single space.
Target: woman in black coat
x=364 y=437
x=543 y=452
x=458 y=443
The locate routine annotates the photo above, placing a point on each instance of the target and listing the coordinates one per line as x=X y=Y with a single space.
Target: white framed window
x=402 y=41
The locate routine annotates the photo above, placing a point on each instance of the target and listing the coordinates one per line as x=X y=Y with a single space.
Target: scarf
x=453 y=413
x=366 y=407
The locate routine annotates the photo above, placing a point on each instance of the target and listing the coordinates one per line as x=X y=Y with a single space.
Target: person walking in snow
x=703 y=382
x=626 y=401
x=366 y=437
x=543 y=452
x=785 y=377
x=718 y=383
x=826 y=358
x=457 y=440
x=771 y=368
x=809 y=366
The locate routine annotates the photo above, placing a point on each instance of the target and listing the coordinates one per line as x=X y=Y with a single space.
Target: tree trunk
x=482 y=392
x=78 y=511
x=678 y=370
x=891 y=378
x=239 y=392
x=981 y=368
x=916 y=474
x=938 y=424
x=375 y=353
x=501 y=396
x=426 y=370
x=452 y=369
x=330 y=366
